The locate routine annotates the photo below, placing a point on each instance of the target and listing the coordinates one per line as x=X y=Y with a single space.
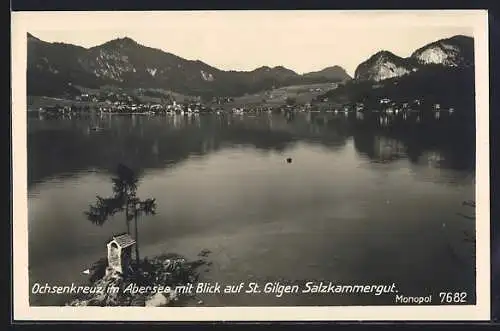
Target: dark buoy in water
x=288 y=160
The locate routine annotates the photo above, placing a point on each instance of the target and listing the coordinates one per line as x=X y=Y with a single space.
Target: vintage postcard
x=251 y=165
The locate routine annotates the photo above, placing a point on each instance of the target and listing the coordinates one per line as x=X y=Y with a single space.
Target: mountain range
x=54 y=69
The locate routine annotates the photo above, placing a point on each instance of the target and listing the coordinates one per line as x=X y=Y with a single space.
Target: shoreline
x=155 y=282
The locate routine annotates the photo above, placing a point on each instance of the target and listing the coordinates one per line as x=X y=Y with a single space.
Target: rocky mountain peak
x=456 y=51
x=383 y=65
x=451 y=52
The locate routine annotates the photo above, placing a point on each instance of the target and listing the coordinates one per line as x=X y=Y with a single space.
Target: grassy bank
x=36 y=102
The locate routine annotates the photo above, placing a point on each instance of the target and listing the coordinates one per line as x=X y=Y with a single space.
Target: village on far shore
x=123 y=103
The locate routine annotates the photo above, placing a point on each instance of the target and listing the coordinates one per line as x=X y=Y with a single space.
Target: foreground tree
x=124 y=199
x=124 y=190
x=139 y=208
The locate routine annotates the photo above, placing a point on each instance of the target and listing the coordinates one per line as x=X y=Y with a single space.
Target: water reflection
x=60 y=146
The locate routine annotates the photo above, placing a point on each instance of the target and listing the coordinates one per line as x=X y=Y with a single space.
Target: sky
x=303 y=41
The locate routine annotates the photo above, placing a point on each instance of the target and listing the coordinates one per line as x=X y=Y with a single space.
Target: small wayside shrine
x=120 y=253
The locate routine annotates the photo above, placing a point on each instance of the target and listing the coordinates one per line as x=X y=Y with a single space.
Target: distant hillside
x=452 y=86
x=53 y=68
x=334 y=73
x=441 y=72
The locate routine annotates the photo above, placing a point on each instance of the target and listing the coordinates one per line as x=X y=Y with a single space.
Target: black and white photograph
x=251 y=159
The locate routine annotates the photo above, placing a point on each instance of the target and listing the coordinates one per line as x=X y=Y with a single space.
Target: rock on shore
x=162 y=271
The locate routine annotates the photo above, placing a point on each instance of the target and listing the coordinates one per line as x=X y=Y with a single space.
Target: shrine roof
x=124 y=240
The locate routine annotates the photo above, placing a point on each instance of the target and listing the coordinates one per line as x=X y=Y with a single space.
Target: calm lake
x=364 y=201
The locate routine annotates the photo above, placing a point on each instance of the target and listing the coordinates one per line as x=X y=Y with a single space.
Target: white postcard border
x=23 y=22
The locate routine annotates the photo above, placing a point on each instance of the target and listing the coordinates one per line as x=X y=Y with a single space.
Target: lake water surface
x=359 y=203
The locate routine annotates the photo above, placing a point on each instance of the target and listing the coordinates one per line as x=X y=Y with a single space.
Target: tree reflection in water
x=153 y=142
